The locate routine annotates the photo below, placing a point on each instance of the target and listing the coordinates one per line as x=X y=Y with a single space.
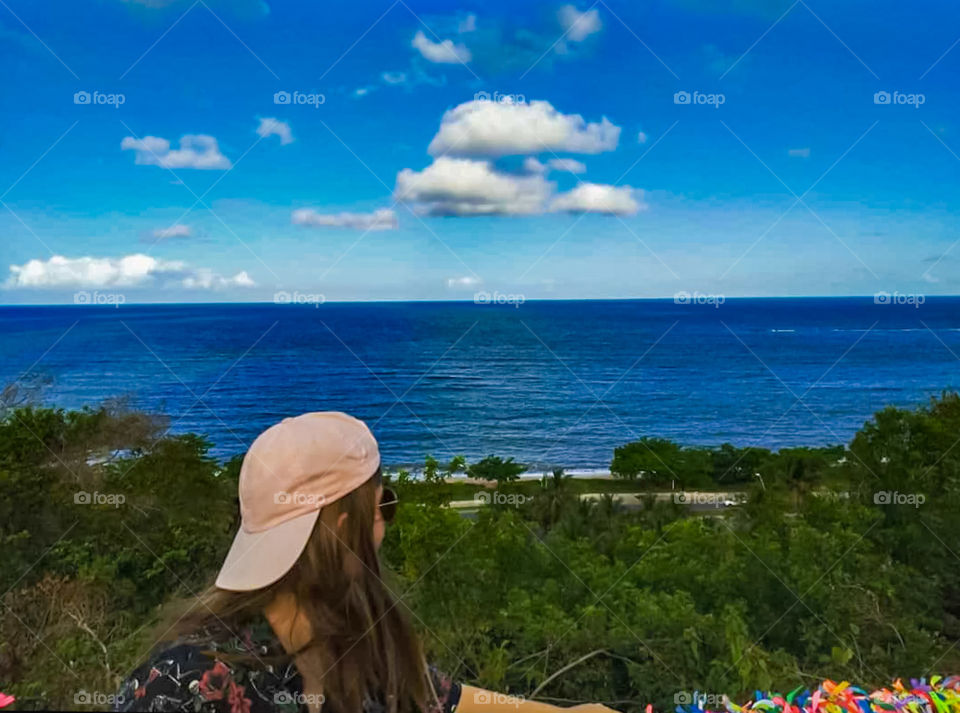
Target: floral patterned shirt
x=244 y=673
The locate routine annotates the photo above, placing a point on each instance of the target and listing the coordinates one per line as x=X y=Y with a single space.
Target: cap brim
x=258 y=559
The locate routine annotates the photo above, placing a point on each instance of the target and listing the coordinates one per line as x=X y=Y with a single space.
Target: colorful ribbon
x=939 y=695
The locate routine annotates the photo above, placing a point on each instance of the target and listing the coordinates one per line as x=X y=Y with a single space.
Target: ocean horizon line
x=669 y=298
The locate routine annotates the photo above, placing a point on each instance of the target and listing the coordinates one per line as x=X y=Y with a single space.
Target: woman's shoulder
x=198 y=676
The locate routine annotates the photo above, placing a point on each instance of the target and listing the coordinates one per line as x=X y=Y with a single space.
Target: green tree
x=732 y=465
x=659 y=462
x=573 y=600
x=497 y=469
x=554 y=497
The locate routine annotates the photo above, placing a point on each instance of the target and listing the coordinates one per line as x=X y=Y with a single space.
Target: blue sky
x=398 y=171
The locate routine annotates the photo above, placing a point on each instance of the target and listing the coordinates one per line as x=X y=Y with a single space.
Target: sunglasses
x=388 y=505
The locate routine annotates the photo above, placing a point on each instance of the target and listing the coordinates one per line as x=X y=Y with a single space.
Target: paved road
x=695 y=501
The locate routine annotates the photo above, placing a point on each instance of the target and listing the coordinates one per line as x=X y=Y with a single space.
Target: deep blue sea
x=548 y=382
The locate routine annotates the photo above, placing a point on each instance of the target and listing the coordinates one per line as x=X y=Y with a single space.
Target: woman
x=299 y=618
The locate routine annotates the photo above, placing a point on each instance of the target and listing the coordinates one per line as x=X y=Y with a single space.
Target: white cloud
x=457 y=186
x=196 y=151
x=533 y=165
x=444 y=52
x=274 y=127
x=800 y=153
x=467 y=24
x=579 y=25
x=500 y=129
x=60 y=271
x=642 y=138
x=463 y=282
x=415 y=77
x=204 y=279
x=597 y=198
x=394 y=77
x=174 y=231
x=464 y=184
x=381 y=219
x=128 y=271
x=569 y=165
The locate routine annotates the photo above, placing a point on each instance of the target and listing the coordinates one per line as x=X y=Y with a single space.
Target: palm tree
x=555 y=496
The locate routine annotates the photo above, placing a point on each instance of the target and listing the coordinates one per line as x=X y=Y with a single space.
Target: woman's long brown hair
x=362 y=645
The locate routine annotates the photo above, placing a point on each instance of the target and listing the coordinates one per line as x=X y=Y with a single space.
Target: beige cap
x=290 y=472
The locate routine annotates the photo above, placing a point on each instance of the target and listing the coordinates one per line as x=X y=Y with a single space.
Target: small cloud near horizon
x=463 y=282
x=137 y=270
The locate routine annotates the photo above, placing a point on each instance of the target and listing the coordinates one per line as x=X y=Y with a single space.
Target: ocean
x=550 y=383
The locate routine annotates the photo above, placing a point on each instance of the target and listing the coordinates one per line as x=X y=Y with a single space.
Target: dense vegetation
x=843 y=562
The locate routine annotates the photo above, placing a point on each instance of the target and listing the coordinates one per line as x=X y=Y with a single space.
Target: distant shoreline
x=600 y=474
